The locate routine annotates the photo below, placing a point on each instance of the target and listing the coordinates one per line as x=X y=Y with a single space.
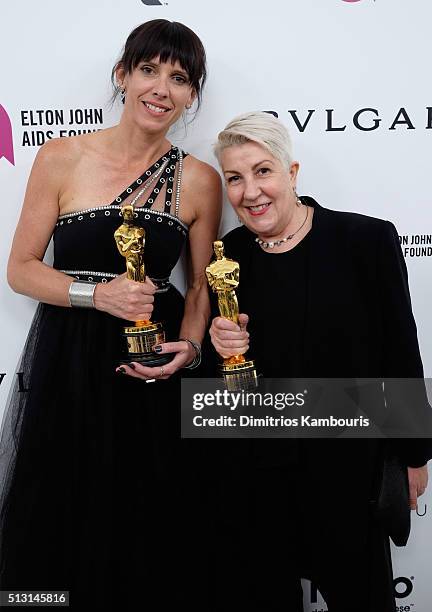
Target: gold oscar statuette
x=223 y=277
x=143 y=335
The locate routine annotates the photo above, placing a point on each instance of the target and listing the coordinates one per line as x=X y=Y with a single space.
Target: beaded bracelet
x=197 y=359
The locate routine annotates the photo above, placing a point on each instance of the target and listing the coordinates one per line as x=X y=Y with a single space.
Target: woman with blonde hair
x=323 y=294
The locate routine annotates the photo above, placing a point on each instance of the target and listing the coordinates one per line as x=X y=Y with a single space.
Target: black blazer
x=359 y=320
x=359 y=323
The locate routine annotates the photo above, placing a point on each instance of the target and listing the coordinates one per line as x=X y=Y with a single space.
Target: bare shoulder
x=57 y=156
x=200 y=174
x=202 y=190
x=62 y=154
x=53 y=151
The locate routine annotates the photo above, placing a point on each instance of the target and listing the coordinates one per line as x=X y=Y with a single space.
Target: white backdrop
x=323 y=59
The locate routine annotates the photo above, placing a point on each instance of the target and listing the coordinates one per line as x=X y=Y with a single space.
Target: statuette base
x=139 y=343
x=239 y=375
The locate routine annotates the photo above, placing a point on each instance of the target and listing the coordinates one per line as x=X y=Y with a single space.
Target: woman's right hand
x=228 y=338
x=126 y=299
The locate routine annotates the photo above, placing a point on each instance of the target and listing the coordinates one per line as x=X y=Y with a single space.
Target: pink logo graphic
x=6 y=139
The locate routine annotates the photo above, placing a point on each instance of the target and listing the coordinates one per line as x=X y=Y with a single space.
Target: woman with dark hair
x=90 y=498
x=322 y=294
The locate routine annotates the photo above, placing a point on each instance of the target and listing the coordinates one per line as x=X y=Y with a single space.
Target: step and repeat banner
x=350 y=79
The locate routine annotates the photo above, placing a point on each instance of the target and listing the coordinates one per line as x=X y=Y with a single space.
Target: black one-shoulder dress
x=90 y=458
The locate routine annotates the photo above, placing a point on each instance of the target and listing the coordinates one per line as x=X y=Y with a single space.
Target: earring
x=188 y=106
x=122 y=90
x=298 y=201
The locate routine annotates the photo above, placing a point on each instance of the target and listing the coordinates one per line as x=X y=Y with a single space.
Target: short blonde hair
x=260 y=127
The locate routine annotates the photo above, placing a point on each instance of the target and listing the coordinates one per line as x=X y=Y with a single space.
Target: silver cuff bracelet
x=81 y=294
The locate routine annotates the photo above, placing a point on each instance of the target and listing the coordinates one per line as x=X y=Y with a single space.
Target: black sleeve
x=401 y=353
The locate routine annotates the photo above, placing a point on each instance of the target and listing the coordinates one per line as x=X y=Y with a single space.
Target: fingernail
x=121 y=371
x=157 y=349
x=132 y=366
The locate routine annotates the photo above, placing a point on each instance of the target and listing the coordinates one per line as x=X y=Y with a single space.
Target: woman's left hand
x=184 y=354
x=418 y=481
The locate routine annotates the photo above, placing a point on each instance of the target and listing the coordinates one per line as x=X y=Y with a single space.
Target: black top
x=276 y=295
x=93 y=228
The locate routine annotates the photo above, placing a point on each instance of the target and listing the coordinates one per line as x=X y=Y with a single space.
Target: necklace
x=276 y=243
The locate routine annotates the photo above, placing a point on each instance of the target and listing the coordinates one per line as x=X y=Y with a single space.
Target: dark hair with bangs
x=170 y=41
